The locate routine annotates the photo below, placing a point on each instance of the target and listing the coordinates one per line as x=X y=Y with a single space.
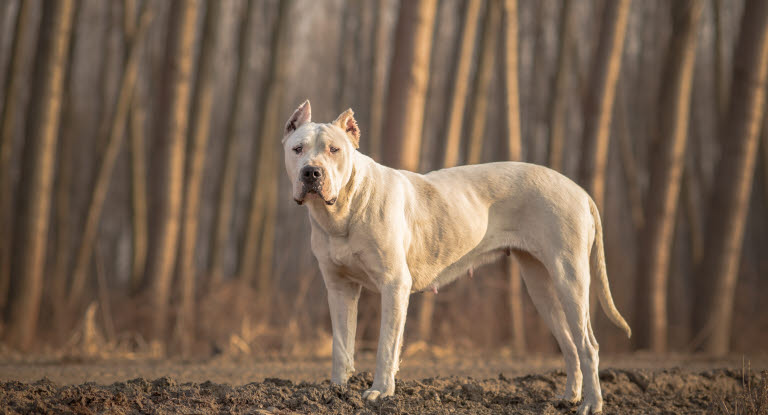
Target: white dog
x=398 y=232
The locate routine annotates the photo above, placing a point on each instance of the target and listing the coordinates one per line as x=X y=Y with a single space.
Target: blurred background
x=144 y=206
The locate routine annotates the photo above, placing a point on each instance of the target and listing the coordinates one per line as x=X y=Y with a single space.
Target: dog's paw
x=588 y=408
x=374 y=393
x=371 y=395
x=570 y=397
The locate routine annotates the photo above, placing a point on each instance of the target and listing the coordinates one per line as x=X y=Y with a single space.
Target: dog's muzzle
x=312 y=178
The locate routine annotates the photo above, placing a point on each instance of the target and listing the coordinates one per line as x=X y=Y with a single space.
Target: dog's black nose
x=311 y=174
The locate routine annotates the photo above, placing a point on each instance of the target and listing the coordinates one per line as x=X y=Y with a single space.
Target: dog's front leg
x=394 y=305
x=342 y=300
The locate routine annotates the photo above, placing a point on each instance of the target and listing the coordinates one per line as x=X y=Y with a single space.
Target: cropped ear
x=346 y=121
x=301 y=116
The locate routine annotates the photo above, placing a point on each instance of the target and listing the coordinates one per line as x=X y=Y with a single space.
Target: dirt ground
x=427 y=384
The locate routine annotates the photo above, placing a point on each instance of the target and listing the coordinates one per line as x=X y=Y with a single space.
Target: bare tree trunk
x=56 y=283
x=424 y=318
x=629 y=165
x=408 y=82
x=516 y=306
x=129 y=18
x=199 y=133
x=12 y=91
x=409 y=77
x=666 y=174
x=183 y=17
x=462 y=66
x=463 y=62
x=557 y=109
x=103 y=295
x=765 y=156
x=379 y=80
x=110 y=66
x=514 y=148
x=598 y=107
x=226 y=197
x=257 y=254
x=37 y=173
x=104 y=176
x=721 y=82
x=140 y=229
x=136 y=128
x=483 y=77
x=512 y=96
x=351 y=18
x=694 y=200
x=691 y=188
x=713 y=308
x=602 y=90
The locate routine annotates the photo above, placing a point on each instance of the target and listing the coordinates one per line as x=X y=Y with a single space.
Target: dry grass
x=753 y=397
x=88 y=342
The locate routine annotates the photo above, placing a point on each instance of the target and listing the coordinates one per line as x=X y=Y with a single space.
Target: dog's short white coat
x=397 y=232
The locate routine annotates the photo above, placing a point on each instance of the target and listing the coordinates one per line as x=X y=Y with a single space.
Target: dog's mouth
x=313 y=193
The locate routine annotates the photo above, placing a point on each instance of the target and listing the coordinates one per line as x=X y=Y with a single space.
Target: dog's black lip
x=327 y=202
x=300 y=200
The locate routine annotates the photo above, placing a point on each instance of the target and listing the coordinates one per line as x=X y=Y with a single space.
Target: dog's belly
x=461 y=221
x=494 y=246
x=460 y=224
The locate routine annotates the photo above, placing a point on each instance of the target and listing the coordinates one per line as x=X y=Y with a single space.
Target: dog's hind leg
x=572 y=285
x=343 y=296
x=591 y=333
x=544 y=296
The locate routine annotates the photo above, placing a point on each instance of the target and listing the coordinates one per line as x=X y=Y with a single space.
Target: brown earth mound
x=625 y=391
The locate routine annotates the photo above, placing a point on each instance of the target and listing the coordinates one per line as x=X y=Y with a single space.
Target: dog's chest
x=341 y=251
x=347 y=255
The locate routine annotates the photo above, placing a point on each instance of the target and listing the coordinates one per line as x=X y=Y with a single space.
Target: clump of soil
x=624 y=391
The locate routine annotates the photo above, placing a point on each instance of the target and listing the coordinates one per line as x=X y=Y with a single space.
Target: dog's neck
x=334 y=219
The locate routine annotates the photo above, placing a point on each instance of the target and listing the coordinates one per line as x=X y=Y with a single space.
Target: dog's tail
x=600 y=276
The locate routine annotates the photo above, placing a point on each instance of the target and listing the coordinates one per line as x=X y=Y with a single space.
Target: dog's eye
x=334 y=149
x=297 y=149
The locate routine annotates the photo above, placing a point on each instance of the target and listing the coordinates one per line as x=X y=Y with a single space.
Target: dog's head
x=318 y=157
